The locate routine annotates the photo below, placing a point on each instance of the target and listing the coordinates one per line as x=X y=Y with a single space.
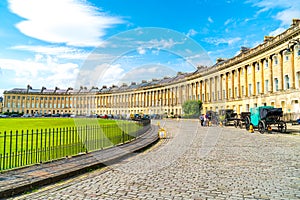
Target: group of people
x=205 y=119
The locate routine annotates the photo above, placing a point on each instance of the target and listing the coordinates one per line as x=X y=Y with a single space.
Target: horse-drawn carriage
x=241 y=121
x=227 y=116
x=264 y=117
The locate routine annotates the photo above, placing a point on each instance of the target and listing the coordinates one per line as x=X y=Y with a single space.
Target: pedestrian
x=205 y=120
x=202 y=119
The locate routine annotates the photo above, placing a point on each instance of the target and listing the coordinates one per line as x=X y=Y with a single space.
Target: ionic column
x=210 y=89
x=221 y=86
x=280 y=78
x=270 y=64
x=253 y=78
x=238 y=71
x=262 y=76
x=201 y=90
x=246 y=80
x=205 y=91
x=232 y=84
x=226 y=85
x=293 y=69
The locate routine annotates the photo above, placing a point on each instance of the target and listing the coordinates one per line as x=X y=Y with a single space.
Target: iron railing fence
x=23 y=148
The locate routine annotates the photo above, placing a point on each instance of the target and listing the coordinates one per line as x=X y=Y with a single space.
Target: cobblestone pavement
x=195 y=162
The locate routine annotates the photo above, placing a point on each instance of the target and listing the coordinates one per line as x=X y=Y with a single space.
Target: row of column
x=162 y=97
x=219 y=87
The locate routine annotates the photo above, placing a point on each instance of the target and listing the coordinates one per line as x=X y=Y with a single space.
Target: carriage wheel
x=261 y=127
x=225 y=122
x=282 y=126
x=241 y=124
x=235 y=123
x=247 y=123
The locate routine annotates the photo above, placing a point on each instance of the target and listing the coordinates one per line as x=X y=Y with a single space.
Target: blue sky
x=51 y=42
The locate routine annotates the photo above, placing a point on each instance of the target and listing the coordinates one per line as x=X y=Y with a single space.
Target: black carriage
x=264 y=117
x=240 y=122
x=227 y=116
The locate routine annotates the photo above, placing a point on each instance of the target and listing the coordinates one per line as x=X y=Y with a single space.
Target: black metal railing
x=23 y=148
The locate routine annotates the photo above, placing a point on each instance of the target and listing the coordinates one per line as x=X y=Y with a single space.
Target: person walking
x=201 y=119
x=205 y=120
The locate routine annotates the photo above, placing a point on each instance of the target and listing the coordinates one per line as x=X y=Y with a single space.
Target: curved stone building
x=268 y=74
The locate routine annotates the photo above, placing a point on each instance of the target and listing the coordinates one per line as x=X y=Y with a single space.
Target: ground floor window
x=276 y=84
x=250 y=89
x=266 y=86
x=298 y=79
x=287 y=82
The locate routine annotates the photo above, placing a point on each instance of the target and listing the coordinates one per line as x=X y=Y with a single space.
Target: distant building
x=268 y=74
x=1 y=104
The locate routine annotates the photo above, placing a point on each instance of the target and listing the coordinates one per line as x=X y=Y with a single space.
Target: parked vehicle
x=264 y=117
x=240 y=122
x=3 y=116
x=103 y=116
x=227 y=116
x=110 y=116
x=14 y=115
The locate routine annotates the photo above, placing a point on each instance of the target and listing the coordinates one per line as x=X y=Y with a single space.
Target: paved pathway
x=195 y=163
x=24 y=179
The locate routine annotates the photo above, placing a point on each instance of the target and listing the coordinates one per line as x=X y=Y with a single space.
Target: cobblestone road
x=195 y=163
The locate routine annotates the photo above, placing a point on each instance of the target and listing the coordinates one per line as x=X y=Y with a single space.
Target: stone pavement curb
x=24 y=179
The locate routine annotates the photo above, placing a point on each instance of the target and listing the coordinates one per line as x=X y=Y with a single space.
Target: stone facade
x=268 y=74
x=1 y=104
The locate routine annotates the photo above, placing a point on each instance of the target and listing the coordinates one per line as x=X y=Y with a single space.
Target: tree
x=191 y=108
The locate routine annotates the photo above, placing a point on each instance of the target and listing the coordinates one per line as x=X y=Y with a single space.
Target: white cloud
x=162 y=43
x=58 y=51
x=228 y=21
x=289 y=9
x=147 y=72
x=99 y=75
x=191 y=33
x=1 y=92
x=277 y=31
x=210 y=19
x=217 y=41
x=286 y=16
x=141 y=51
x=41 y=71
x=156 y=44
x=112 y=75
x=73 y=22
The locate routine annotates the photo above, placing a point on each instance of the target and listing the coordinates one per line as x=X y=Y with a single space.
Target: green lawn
x=13 y=124
x=55 y=138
